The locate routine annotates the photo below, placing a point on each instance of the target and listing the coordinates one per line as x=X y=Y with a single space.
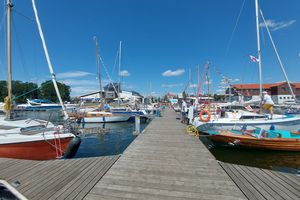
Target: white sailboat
x=243 y=119
x=98 y=115
x=32 y=139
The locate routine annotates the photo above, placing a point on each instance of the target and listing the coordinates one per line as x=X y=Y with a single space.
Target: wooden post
x=137 y=124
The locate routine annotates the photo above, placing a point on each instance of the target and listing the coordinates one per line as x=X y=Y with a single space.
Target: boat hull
x=35 y=150
x=286 y=124
x=105 y=119
x=245 y=141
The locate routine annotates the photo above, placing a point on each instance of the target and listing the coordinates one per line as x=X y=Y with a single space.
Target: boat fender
x=72 y=147
x=201 y=116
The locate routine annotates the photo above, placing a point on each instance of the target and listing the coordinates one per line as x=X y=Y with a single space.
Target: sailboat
x=238 y=119
x=99 y=115
x=33 y=139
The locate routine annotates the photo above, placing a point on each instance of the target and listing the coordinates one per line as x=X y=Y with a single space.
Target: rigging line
x=107 y=74
x=278 y=57
x=116 y=60
x=21 y=14
x=235 y=27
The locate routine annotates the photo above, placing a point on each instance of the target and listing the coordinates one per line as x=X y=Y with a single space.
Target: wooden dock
x=262 y=184
x=165 y=163
x=55 y=179
x=161 y=163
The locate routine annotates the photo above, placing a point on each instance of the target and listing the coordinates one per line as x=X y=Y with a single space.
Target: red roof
x=265 y=86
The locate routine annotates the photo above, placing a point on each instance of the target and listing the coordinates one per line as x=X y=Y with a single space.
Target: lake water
x=277 y=160
x=111 y=139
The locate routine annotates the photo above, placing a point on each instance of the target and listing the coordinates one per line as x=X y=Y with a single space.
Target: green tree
x=3 y=90
x=20 y=91
x=47 y=91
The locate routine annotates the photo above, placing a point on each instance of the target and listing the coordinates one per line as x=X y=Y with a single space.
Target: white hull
x=106 y=119
x=288 y=123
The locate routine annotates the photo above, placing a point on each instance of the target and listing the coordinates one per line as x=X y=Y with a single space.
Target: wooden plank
x=41 y=175
x=293 y=181
x=242 y=184
x=80 y=180
x=276 y=186
x=259 y=185
x=58 y=181
x=96 y=178
x=283 y=185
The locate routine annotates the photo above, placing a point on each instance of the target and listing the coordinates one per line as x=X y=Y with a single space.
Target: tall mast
x=120 y=60
x=258 y=47
x=48 y=60
x=9 y=70
x=98 y=64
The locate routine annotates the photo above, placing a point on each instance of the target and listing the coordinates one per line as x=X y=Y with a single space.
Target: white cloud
x=274 y=26
x=172 y=85
x=177 y=72
x=72 y=74
x=124 y=73
x=193 y=85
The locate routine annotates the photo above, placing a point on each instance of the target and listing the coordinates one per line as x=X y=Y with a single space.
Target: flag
x=253 y=59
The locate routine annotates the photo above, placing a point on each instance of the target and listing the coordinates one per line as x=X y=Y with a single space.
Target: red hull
x=38 y=150
x=277 y=144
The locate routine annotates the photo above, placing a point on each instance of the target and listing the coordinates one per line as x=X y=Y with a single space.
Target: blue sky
x=162 y=41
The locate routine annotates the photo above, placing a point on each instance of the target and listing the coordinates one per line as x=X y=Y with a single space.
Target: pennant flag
x=253 y=59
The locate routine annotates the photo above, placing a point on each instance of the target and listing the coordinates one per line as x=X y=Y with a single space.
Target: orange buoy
x=201 y=115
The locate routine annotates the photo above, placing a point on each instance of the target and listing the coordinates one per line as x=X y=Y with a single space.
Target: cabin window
x=280 y=97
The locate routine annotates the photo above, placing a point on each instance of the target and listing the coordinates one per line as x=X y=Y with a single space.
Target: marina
x=157 y=165
x=162 y=106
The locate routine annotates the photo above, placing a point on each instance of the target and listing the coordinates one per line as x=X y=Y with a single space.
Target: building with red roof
x=280 y=91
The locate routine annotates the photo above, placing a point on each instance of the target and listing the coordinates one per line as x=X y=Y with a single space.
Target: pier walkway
x=55 y=179
x=165 y=163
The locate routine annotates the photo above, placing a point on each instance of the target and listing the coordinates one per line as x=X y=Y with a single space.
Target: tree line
x=28 y=90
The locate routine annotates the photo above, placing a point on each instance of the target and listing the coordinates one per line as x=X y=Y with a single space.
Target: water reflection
x=113 y=140
x=276 y=160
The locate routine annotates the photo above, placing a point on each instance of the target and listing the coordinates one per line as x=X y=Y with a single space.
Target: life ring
x=201 y=114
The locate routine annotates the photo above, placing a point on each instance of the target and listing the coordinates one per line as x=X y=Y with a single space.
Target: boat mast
x=9 y=70
x=258 y=47
x=98 y=64
x=120 y=57
x=48 y=60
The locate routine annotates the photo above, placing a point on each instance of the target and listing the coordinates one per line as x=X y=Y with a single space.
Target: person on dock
x=191 y=113
x=267 y=103
x=184 y=110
